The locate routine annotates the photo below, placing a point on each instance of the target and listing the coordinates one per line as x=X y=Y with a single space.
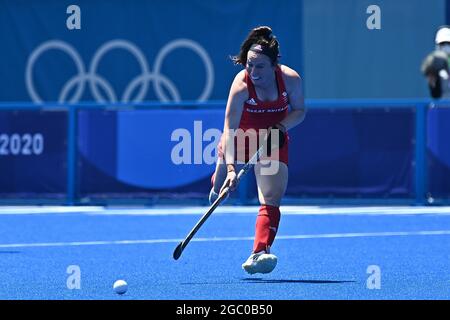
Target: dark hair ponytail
x=263 y=36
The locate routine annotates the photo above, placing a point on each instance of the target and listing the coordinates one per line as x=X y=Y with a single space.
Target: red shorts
x=241 y=154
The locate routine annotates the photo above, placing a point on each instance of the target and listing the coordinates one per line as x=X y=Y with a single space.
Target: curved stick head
x=178 y=251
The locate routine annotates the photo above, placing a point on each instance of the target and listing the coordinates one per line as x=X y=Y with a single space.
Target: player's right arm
x=235 y=104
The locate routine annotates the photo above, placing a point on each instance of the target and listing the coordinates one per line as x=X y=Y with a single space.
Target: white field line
x=177 y=210
x=215 y=239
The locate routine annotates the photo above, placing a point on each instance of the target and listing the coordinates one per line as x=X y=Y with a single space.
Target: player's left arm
x=294 y=88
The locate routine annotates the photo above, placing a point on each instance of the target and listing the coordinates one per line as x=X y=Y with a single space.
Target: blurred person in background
x=435 y=67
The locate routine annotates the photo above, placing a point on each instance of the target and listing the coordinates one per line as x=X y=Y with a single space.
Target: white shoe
x=260 y=262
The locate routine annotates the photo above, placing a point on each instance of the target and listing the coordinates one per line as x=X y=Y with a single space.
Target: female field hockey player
x=259 y=100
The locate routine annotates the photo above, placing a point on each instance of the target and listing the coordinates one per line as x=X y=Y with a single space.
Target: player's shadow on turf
x=261 y=280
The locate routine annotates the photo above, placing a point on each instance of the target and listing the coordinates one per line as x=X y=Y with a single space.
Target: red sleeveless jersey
x=259 y=114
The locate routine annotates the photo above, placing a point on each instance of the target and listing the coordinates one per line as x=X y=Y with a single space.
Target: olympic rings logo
x=94 y=80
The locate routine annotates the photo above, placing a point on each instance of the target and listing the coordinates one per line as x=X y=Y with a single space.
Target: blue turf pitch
x=322 y=253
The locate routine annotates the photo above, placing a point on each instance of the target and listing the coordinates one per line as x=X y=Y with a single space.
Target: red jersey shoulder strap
x=280 y=82
x=250 y=87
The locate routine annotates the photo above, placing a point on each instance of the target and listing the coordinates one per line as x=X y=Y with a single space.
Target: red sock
x=266 y=227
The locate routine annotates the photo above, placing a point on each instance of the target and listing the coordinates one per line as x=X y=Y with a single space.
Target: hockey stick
x=179 y=249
